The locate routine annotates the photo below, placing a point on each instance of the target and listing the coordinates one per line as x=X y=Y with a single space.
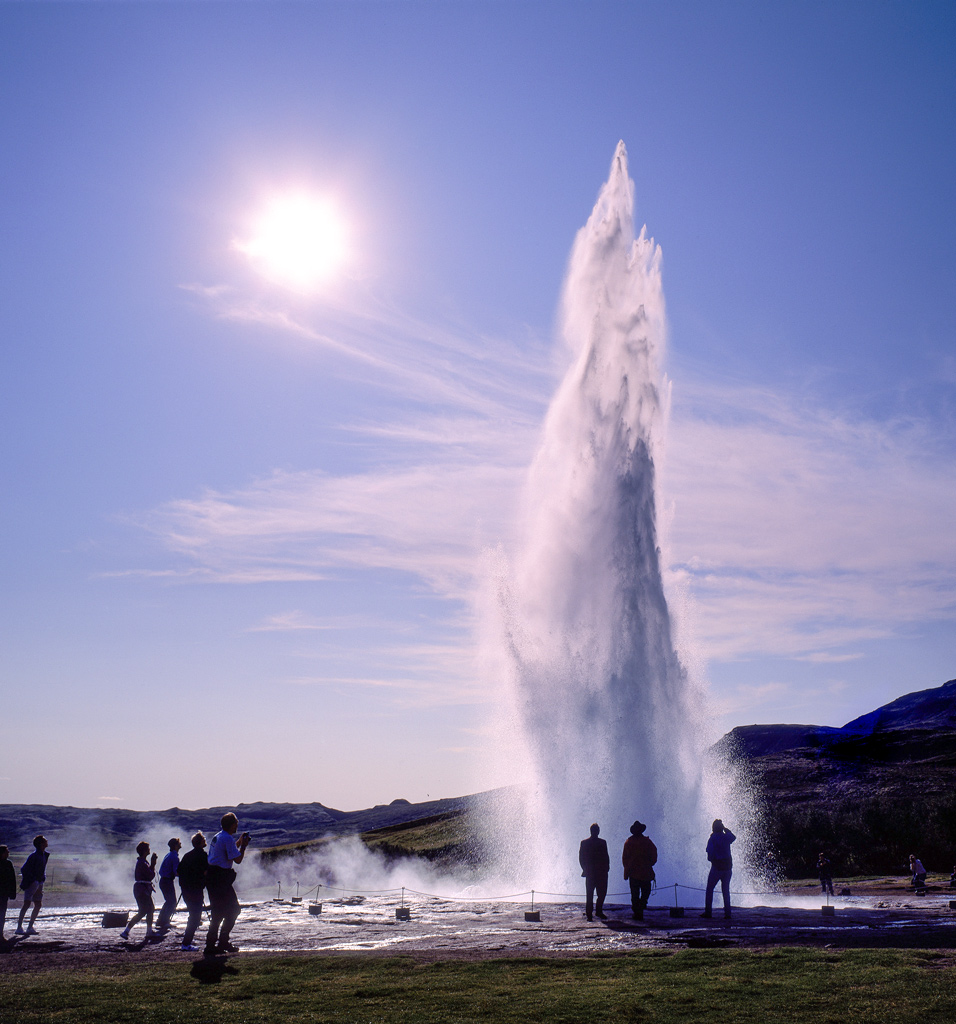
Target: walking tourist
x=32 y=877
x=192 y=882
x=144 y=872
x=167 y=885
x=8 y=885
x=224 y=852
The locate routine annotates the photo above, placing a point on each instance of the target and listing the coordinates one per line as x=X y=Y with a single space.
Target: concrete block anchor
x=532 y=915
x=403 y=913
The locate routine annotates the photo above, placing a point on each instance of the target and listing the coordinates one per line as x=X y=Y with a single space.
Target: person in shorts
x=32 y=877
x=143 y=874
x=224 y=851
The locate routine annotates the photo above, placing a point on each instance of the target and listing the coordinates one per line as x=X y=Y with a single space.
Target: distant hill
x=870 y=793
x=86 y=829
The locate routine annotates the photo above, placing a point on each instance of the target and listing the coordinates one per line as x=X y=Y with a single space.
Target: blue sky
x=242 y=526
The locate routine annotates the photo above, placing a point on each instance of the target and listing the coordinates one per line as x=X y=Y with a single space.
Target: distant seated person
x=918 y=881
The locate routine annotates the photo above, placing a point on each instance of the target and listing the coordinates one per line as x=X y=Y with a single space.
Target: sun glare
x=298 y=241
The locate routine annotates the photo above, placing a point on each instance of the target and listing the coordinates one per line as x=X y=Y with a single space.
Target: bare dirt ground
x=880 y=913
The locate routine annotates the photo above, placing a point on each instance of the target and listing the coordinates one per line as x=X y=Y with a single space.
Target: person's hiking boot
x=227 y=947
x=124 y=934
x=707 y=913
x=31 y=930
x=189 y=948
x=20 y=930
x=601 y=915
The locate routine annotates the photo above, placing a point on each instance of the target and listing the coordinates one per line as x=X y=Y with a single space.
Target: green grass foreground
x=716 y=986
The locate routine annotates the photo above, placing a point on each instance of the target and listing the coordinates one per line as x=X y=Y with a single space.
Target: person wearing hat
x=639 y=858
x=595 y=865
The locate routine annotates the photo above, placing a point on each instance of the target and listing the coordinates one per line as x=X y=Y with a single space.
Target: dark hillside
x=869 y=793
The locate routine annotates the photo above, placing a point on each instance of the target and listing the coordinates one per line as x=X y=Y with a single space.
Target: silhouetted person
x=595 y=865
x=220 y=875
x=721 y=866
x=826 y=874
x=639 y=858
x=167 y=884
x=918 y=880
x=8 y=885
x=144 y=872
x=32 y=877
x=192 y=882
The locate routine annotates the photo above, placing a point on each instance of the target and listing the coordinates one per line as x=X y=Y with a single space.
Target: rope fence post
x=403 y=913
x=315 y=907
x=676 y=910
x=532 y=914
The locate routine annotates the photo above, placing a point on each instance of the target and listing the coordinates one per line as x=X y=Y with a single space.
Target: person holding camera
x=224 y=852
x=721 y=866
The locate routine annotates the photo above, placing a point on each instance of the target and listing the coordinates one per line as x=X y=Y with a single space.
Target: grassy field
x=716 y=986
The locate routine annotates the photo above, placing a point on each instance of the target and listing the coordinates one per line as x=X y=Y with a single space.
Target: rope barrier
x=515 y=895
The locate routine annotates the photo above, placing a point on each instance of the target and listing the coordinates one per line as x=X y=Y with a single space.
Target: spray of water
x=607 y=718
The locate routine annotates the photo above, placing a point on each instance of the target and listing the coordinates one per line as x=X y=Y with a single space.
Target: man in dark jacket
x=595 y=865
x=192 y=882
x=639 y=858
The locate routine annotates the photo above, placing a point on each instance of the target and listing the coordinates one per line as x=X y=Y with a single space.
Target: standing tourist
x=192 y=882
x=721 y=866
x=143 y=874
x=825 y=871
x=167 y=885
x=224 y=852
x=639 y=858
x=595 y=865
x=32 y=877
x=8 y=885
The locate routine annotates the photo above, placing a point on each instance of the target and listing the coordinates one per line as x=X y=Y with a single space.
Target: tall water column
x=607 y=717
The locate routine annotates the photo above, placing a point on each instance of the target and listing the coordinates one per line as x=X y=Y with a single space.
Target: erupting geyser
x=607 y=715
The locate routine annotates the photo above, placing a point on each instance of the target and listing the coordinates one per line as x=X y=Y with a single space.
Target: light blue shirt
x=170 y=865
x=223 y=850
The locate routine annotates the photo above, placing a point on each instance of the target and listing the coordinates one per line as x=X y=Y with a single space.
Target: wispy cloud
x=798 y=531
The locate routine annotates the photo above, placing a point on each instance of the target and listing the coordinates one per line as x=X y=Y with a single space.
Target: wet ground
x=436 y=929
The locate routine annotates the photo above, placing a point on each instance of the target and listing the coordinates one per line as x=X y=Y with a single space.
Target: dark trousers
x=640 y=894
x=223 y=905
x=716 y=875
x=167 y=886
x=594 y=883
x=193 y=900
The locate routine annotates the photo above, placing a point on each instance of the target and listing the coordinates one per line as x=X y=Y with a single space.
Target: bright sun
x=298 y=241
